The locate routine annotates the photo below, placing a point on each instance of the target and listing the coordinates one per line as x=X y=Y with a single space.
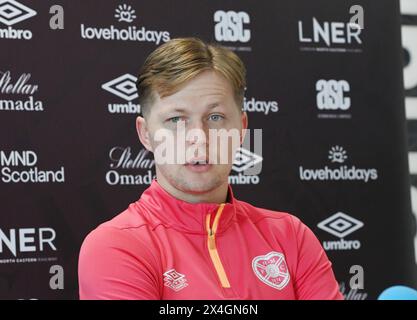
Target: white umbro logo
x=12 y=12
x=123 y=87
x=175 y=280
x=245 y=159
x=340 y=225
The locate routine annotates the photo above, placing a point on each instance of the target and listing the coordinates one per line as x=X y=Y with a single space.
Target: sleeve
x=115 y=265
x=314 y=278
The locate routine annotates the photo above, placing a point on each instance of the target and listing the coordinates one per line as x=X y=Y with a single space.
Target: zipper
x=211 y=244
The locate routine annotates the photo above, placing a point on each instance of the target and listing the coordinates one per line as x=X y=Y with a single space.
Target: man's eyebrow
x=175 y=110
x=213 y=105
x=179 y=110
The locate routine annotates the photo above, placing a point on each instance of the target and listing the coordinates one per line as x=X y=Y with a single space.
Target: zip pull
x=211 y=243
x=211 y=230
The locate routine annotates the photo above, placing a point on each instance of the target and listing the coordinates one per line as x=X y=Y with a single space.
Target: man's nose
x=196 y=132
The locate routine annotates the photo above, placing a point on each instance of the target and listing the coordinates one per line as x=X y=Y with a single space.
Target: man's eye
x=215 y=117
x=174 y=119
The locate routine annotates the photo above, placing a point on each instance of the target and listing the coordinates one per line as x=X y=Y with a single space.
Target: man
x=188 y=237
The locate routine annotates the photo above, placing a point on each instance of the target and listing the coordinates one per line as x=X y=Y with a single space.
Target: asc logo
x=230 y=26
x=331 y=94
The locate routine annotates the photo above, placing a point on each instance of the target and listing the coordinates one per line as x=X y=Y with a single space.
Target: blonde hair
x=179 y=60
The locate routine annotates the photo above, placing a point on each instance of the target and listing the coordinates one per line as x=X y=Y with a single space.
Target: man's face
x=181 y=129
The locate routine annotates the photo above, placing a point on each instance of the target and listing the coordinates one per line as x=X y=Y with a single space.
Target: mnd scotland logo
x=18 y=166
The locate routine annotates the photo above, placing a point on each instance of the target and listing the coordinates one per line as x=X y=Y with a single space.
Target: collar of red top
x=161 y=207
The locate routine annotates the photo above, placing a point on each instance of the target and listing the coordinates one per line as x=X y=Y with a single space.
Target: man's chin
x=198 y=183
x=192 y=182
x=197 y=187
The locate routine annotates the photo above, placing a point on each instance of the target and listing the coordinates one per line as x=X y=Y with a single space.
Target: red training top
x=161 y=247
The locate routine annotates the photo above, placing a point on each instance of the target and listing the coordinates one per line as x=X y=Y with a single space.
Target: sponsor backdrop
x=326 y=93
x=409 y=40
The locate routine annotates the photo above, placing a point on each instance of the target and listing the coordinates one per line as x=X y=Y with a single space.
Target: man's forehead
x=205 y=91
x=184 y=98
x=206 y=83
x=200 y=91
x=181 y=106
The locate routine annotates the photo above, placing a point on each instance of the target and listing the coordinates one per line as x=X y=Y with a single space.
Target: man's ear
x=143 y=133
x=244 y=120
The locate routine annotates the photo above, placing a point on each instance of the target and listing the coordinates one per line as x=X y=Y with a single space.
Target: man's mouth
x=198 y=165
x=198 y=162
